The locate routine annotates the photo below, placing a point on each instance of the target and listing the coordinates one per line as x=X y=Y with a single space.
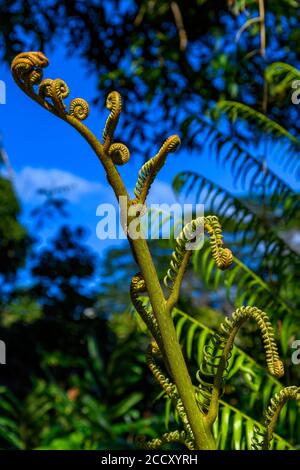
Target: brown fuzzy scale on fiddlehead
x=173 y=436
x=150 y=169
x=262 y=438
x=138 y=287
x=180 y=256
x=214 y=367
x=114 y=104
x=27 y=72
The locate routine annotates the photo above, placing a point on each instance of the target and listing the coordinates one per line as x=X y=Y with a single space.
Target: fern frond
x=234 y=110
x=168 y=387
x=248 y=171
x=242 y=284
x=150 y=169
x=114 y=104
x=181 y=255
x=173 y=436
x=193 y=336
x=138 y=286
x=262 y=439
x=280 y=256
x=216 y=354
x=234 y=430
x=280 y=77
x=10 y=420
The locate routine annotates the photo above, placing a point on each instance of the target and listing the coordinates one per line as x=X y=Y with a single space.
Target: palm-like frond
x=270 y=128
x=10 y=426
x=248 y=171
x=280 y=77
x=234 y=110
x=239 y=217
x=234 y=429
x=243 y=286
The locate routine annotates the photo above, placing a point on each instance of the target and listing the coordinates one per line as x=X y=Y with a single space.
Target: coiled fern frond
x=217 y=352
x=114 y=104
x=181 y=255
x=138 y=287
x=27 y=69
x=173 y=436
x=118 y=152
x=150 y=169
x=169 y=388
x=262 y=438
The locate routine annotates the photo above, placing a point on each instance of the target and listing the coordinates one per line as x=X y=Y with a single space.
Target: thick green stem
x=172 y=349
x=180 y=375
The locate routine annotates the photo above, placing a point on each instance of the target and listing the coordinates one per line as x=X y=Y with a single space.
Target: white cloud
x=161 y=193
x=29 y=180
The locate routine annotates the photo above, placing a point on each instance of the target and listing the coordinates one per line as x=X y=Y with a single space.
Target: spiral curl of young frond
x=257 y=438
x=168 y=387
x=150 y=169
x=173 y=436
x=119 y=153
x=27 y=70
x=137 y=287
x=217 y=352
x=184 y=418
x=262 y=438
x=212 y=354
x=45 y=88
x=60 y=91
x=114 y=104
x=79 y=108
x=222 y=256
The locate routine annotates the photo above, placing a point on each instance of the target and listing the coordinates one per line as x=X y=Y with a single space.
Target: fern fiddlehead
x=173 y=436
x=118 y=152
x=221 y=255
x=137 y=287
x=181 y=255
x=27 y=70
x=261 y=439
x=169 y=388
x=150 y=169
x=114 y=104
x=214 y=367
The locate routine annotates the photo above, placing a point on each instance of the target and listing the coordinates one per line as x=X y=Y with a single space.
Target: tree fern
x=248 y=171
x=234 y=110
x=239 y=217
x=262 y=386
x=280 y=77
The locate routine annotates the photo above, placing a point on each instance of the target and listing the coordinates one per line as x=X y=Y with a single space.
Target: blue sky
x=47 y=153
